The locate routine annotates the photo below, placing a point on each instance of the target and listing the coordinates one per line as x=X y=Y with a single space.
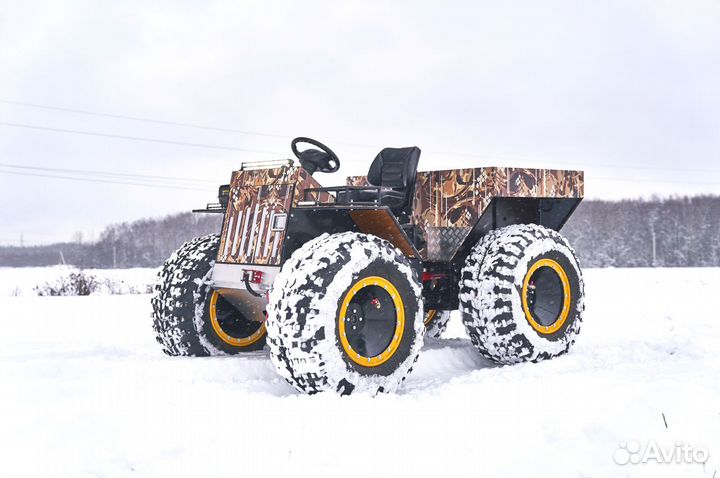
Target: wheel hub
x=546 y=296
x=354 y=319
x=231 y=325
x=371 y=321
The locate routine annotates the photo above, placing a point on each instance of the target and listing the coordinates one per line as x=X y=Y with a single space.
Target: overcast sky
x=629 y=91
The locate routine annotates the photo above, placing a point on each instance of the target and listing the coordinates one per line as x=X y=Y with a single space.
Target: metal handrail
x=334 y=190
x=212 y=207
x=266 y=164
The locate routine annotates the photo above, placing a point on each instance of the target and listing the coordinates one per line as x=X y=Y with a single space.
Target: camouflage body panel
x=548 y=183
x=514 y=182
x=256 y=197
x=447 y=204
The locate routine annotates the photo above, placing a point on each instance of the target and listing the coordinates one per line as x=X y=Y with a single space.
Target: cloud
x=529 y=83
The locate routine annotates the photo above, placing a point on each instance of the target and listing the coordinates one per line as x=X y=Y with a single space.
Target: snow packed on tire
x=306 y=353
x=489 y=288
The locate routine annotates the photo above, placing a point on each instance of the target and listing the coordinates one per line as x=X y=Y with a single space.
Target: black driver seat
x=396 y=169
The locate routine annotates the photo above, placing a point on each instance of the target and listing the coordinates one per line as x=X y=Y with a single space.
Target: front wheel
x=522 y=294
x=189 y=317
x=345 y=314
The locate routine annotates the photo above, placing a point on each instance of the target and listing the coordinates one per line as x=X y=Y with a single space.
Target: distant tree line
x=143 y=243
x=675 y=232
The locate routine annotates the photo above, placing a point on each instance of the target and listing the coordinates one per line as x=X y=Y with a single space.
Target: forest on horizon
x=674 y=232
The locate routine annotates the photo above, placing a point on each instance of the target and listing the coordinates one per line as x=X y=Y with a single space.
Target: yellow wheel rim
x=392 y=348
x=564 y=312
x=227 y=338
x=430 y=316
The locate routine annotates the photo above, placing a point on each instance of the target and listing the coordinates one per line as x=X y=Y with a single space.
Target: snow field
x=87 y=391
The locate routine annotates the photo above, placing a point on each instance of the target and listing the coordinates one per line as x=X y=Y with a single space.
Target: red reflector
x=432 y=276
x=254 y=276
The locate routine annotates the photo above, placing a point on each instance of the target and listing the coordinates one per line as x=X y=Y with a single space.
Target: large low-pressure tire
x=521 y=294
x=346 y=315
x=436 y=322
x=189 y=317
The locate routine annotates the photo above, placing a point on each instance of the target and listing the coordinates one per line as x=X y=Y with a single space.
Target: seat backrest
x=396 y=168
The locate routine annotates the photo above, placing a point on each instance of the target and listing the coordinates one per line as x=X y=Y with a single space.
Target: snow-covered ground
x=87 y=392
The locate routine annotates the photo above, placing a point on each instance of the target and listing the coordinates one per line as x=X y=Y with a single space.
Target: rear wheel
x=189 y=317
x=232 y=327
x=522 y=294
x=436 y=322
x=345 y=314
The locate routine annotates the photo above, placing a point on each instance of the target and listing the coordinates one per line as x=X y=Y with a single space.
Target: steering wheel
x=322 y=160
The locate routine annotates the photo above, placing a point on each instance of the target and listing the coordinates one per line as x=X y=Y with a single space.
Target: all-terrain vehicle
x=344 y=283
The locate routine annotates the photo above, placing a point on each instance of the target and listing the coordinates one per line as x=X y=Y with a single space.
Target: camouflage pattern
x=519 y=182
x=448 y=203
x=256 y=197
x=265 y=177
x=457 y=198
x=305 y=181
